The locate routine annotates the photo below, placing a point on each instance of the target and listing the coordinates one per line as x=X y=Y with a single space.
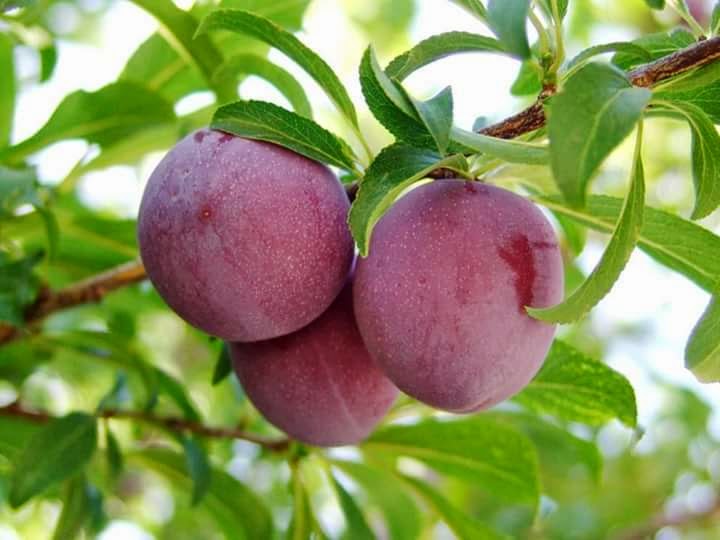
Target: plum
x=244 y=239
x=319 y=384
x=440 y=299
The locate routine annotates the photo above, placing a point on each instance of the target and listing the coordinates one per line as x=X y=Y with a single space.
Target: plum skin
x=244 y=239
x=319 y=384
x=440 y=299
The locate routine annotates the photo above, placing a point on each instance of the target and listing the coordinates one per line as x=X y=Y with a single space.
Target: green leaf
x=577 y=388
x=272 y=34
x=475 y=7
x=658 y=45
x=390 y=106
x=631 y=49
x=18 y=286
x=558 y=449
x=17 y=187
x=236 y=510
x=394 y=169
x=302 y=522
x=460 y=523
x=437 y=115
x=16 y=432
x=198 y=468
x=268 y=122
x=158 y=66
x=223 y=367
x=702 y=354
x=478 y=450
x=75 y=509
x=705 y=157
x=701 y=88
x=179 y=28
x=48 y=61
x=102 y=117
x=656 y=4
x=113 y=453
x=58 y=451
x=508 y=19
x=528 y=81
x=512 y=151
x=715 y=19
x=594 y=113
x=613 y=261
x=252 y=64
x=674 y=242
x=562 y=7
x=401 y=514
x=437 y=47
x=7 y=89
x=356 y=528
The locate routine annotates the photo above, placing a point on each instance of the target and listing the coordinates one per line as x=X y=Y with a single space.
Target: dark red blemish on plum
x=470 y=187
x=519 y=256
x=225 y=137
x=200 y=136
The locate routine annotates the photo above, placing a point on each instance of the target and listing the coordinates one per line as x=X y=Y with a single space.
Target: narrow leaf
x=102 y=117
x=7 y=89
x=236 y=510
x=474 y=7
x=252 y=64
x=18 y=286
x=613 y=261
x=478 y=450
x=508 y=20
x=628 y=48
x=705 y=157
x=702 y=354
x=260 y=28
x=75 y=510
x=437 y=115
x=594 y=113
x=302 y=522
x=398 y=508
x=394 y=169
x=58 y=451
x=113 y=453
x=574 y=387
x=356 y=528
x=562 y=5
x=658 y=45
x=700 y=87
x=268 y=122
x=198 y=468
x=559 y=450
x=437 y=47
x=674 y=242
x=656 y=4
x=223 y=367
x=460 y=523
x=511 y=151
x=715 y=19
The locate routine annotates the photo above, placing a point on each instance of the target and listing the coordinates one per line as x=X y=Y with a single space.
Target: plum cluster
x=248 y=241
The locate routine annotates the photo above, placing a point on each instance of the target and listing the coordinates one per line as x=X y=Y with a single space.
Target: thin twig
x=179 y=425
x=92 y=289
x=697 y=55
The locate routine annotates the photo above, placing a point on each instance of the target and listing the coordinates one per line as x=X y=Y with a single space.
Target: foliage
x=146 y=392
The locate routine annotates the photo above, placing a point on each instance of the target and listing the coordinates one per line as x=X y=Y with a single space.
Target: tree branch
x=692 y=57
x=531 y=119
x=86 y=291
x=178 y=425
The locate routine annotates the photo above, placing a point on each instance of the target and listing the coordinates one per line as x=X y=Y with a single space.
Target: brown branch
x=86 y=291
x=178 y=425
x=692 y=57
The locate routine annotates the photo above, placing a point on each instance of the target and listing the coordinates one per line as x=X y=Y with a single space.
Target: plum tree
x=319 y=384
x=244 y=239
x=440 y=299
